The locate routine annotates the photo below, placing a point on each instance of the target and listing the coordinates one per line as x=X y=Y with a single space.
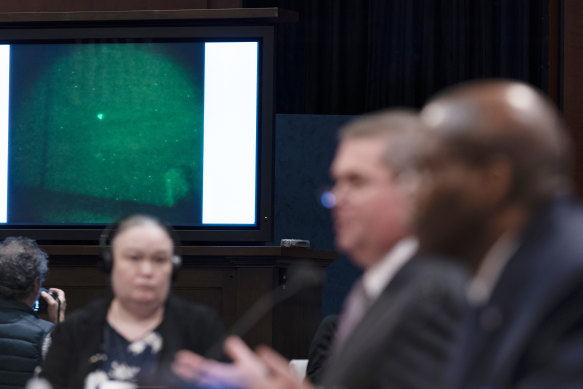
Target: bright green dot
x=100 y=116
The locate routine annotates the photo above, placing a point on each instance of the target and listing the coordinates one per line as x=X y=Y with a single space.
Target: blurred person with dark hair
x=23 y=268
x=495 y=193
x=130 y=338
x=398 y=322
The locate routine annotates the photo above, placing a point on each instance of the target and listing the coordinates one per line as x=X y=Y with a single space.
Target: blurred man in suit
x=495 y=194
x=400 y=318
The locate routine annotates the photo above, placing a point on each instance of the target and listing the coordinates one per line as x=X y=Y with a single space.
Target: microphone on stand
x=301 y=277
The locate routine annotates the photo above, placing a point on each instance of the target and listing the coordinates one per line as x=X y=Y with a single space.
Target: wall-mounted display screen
x=100 y=123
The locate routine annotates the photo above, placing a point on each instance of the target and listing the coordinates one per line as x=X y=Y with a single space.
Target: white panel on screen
x=4 y=90
x=230 y=129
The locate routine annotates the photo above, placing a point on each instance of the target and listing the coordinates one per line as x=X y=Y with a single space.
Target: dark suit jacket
x=405 y=338
x=321 y=347
x=530 y=333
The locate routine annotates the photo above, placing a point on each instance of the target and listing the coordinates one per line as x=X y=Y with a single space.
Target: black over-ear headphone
x=111 y=231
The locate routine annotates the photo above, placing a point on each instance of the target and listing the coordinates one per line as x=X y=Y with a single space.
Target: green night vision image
x=102 y=130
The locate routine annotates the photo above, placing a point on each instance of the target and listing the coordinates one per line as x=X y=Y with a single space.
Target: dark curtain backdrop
x=353 y=56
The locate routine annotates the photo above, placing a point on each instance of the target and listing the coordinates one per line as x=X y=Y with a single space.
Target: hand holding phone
x=52 y=302
x=41 y=305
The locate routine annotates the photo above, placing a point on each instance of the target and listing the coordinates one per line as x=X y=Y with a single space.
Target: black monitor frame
x=97 y=30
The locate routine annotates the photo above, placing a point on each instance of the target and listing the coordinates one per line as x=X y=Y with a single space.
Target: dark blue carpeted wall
x=304 y=148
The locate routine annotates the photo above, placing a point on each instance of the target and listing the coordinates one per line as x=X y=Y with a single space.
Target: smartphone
x=41 y=305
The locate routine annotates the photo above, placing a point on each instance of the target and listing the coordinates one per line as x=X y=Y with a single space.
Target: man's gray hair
x=21 y=262
x=402 y=128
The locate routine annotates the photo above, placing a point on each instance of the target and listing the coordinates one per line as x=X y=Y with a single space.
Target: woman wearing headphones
x=132 y=336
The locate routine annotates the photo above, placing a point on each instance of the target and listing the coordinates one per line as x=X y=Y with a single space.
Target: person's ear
x=37 y=285
x=34 y=294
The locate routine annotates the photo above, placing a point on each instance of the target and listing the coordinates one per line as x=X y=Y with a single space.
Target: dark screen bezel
x=196 y=234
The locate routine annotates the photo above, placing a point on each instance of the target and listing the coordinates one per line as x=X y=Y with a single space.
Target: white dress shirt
x=369 y=287
x=377 y=277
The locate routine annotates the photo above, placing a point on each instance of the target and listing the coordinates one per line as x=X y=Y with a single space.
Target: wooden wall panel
x=573 y=80
x=555 y=52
